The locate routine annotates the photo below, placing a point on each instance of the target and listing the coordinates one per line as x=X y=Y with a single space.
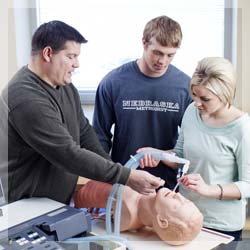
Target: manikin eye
x=167 y=194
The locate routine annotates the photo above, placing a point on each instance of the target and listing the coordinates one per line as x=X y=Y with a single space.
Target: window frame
x=28 y=23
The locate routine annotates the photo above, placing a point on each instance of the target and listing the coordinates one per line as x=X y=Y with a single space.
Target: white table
x=146 y=239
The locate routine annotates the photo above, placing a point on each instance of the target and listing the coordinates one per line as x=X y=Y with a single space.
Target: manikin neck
x=146 y=209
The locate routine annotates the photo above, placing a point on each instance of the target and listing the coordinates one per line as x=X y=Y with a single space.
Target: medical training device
x=40 y=223
x=118 y=188
x=116 y=195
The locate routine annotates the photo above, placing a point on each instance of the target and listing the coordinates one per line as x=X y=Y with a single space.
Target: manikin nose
x=180 y=197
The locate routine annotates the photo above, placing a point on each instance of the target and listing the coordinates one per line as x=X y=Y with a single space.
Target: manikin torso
x=136 y=210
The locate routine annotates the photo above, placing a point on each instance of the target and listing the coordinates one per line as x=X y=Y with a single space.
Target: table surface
x=146 y=239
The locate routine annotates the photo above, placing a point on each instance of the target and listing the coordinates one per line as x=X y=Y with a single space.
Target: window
x=114 y=29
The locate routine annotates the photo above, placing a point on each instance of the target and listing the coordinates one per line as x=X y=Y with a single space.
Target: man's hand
x=143 y=182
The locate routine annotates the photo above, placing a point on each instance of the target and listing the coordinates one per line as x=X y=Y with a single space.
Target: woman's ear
x=162 y=222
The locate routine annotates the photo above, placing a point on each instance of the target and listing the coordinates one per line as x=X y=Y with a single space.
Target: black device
x=47 y=230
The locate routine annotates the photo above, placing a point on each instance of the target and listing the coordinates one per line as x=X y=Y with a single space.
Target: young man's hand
x=148 y=160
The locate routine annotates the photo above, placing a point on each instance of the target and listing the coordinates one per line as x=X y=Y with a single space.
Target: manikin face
x=156 y=58
x=206 y=101
x=174 y=206
x=63 y=64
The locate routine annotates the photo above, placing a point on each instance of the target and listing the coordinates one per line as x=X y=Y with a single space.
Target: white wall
x=243 y=58
x=15 y=37
x=7 y=43
x=9 y=62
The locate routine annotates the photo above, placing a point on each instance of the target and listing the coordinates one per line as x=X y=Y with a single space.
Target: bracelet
x=221 y=191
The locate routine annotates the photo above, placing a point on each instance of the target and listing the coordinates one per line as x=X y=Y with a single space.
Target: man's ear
x=47 y=53
x=144 y=43
x=162 y=222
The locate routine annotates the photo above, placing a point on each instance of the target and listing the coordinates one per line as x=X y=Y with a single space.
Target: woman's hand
x=147 y=160
x=196 y=183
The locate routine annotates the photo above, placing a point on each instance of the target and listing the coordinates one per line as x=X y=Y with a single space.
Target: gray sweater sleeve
x=39 y=124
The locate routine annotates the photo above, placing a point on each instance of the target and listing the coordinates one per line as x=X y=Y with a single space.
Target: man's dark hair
x=54 y=34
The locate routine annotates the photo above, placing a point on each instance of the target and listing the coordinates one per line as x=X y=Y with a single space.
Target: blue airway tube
x=118 y=210
x=99 y=238
x=117 y=190
x=111 y=198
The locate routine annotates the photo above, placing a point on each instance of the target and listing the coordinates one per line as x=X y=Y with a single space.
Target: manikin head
x=177 y=220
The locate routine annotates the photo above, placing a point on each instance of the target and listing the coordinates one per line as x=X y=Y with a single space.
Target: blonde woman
x=215 y=137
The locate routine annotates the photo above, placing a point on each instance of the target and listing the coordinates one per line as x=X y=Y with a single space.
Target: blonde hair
x=216 y=74
x=166 y=31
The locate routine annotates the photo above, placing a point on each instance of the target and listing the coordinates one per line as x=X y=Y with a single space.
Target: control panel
x=45 y=231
